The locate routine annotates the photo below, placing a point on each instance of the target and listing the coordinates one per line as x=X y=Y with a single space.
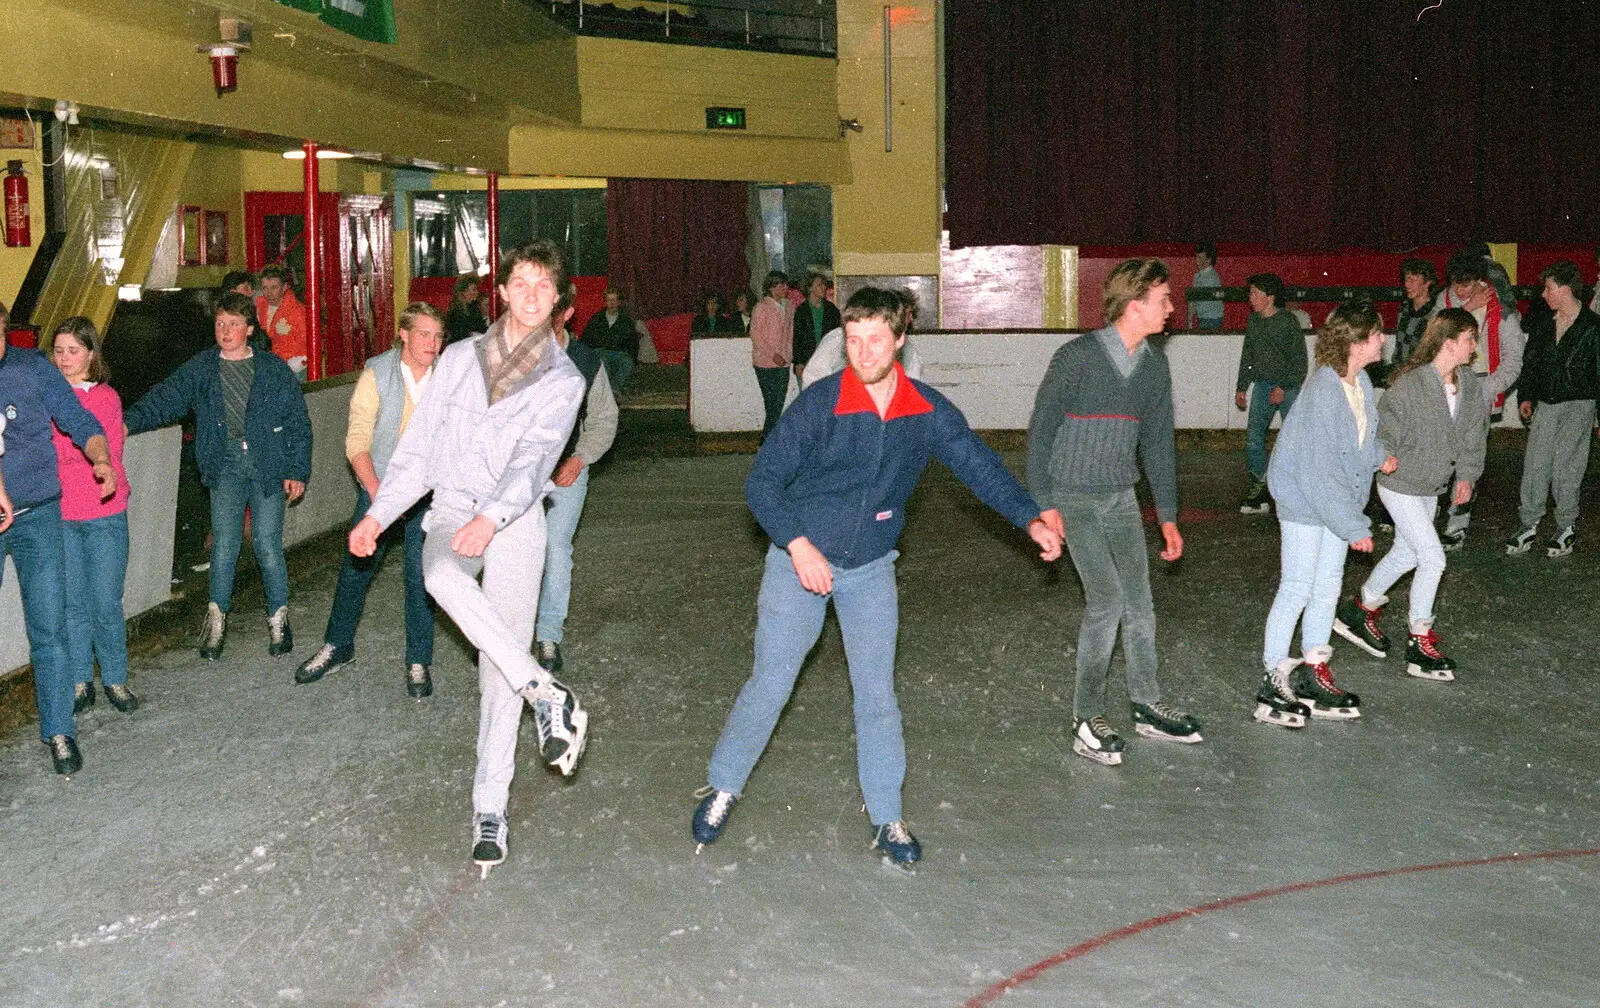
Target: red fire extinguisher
x=17 y=231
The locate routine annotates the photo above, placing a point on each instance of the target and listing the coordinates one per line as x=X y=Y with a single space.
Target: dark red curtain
x=1291 y=123
x=670 y=241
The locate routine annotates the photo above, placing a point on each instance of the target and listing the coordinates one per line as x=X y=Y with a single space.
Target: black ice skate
x=1313 y=684
x=214 y=634
x=1357 y=623
x=710 y=815
x=1093 y=738
x=562 y=723
x=1257 y=500
x=1521 y=540
x=1276 y=703
x=488 y=841
x=1560 y=544
x=1158 y=721
x=280 y=635
x=897 y=844
x=1424 y=659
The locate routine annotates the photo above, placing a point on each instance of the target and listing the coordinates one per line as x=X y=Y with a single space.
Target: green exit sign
x=724 y=118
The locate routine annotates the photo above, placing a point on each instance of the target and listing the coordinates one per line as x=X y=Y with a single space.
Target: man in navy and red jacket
x=830 y=486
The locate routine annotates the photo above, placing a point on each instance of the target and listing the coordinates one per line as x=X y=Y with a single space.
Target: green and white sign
x=372 y=20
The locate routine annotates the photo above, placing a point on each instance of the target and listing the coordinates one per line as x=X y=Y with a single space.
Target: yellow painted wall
x=312 y=83
x=571 y=151
x=886 y=220
x=14 y=262
x=654 y=86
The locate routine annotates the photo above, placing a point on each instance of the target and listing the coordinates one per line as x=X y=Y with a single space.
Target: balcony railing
x=727 y=26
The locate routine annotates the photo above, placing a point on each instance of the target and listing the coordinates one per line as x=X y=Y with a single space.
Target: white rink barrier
x=991 y=376
x=151 y=460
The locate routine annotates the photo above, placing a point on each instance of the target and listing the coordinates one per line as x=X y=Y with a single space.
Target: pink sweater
x=80 y=494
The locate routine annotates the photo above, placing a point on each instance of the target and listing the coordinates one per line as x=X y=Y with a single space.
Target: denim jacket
x=1319 y=475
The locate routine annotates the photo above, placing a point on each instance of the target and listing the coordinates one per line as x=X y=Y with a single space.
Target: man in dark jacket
x=253 y=445
x=829 y=486
x=615 y=336
x=1558 y=388
x=33 y=395
x=815 y=317
x=1272 y=367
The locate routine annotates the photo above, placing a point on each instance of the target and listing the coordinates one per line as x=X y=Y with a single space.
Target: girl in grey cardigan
x=1320 y=476
x=1435 y=422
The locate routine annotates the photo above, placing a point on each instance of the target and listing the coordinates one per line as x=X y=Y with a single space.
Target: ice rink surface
x=245 y=841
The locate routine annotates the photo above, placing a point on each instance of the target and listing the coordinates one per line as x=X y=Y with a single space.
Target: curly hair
x=1347 y=325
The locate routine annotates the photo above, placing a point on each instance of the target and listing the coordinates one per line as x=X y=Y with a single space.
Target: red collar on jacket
x=854 y=398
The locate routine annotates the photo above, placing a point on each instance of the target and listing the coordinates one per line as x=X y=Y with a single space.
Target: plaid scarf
x=507 y=366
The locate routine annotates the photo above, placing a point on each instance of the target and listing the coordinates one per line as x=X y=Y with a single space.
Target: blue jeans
x=619 y=367
x=1416 y=547
x=355 y=577
x=1259 y=421
x=97 y=565
x=563 y=508
x=232 y=494
x=35 y=543
x=1105 y=536
x=1312 y=575
x=788 y=623
x=774 y=383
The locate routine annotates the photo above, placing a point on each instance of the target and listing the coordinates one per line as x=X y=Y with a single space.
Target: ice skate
x=1561 y=543
x=82 y=697
x=419 y=681
x=1521 y=540
x=710 y=815
x=899 y=847
x=1313 y=684
x=327 y=658
x=1093 y=738
x=214 y=634
x=1424 y=659
x=1451 y=540
x=488 y=841
x=122 y=698
x=1257 y=500
x=64 y=755
x=280 y=635
x=562 y=723
x=1276 y=703
x=1159 y=721
x=1357 y=623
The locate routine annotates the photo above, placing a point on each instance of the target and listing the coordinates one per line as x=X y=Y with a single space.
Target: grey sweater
x=1091 y=427
x=1415 y=426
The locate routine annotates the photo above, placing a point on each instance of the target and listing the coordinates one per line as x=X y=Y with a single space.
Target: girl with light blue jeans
x=1434 y=422
x=1320 y=476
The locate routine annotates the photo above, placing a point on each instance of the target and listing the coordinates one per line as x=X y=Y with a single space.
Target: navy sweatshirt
x=834 y=472
x=32 y=394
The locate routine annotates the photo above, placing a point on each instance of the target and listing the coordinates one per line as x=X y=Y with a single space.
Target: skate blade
x=484 y=866
x=1518 y=550
x=1557 y=553
x=1332 y=713
x=1268 y=714
x=568 y=761
x=1263 y=509
x=1442 y=675
x=1151 y=731
x=1103 y=758
x=901 y=868
x=1343 y=630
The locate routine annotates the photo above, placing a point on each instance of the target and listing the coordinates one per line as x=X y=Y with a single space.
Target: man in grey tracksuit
x=494 y=420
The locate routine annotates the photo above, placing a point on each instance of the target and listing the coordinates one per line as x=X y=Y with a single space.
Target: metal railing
x=728 y=26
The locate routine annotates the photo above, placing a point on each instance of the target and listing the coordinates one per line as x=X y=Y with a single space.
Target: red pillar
x=494 y=245
x=313 y=246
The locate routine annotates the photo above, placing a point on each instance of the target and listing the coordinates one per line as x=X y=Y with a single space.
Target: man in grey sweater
x=485 y=439
x=1106 y=403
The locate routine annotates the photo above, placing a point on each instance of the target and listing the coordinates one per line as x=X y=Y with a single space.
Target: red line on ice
x=995 y=990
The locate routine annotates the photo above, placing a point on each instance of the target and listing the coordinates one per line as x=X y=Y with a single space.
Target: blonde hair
x=1129 y=282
